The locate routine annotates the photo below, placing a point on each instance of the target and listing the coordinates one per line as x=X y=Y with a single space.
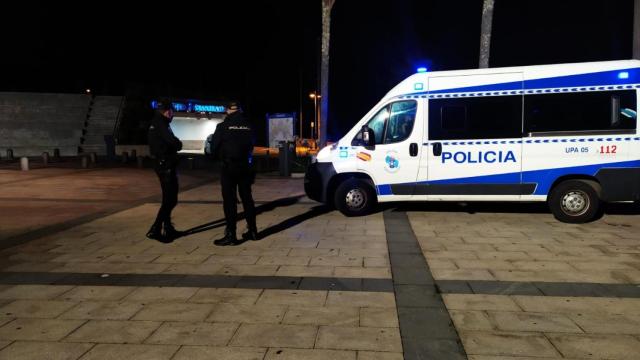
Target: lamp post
x=315 y=98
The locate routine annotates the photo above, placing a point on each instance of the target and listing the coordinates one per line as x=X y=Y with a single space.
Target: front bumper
x=316 y=180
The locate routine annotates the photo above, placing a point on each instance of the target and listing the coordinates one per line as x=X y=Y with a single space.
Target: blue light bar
x=422 y=69
x=623 y=75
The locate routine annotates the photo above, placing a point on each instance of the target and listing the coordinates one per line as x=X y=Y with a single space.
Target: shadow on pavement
x=293 y=221
x=260 y=209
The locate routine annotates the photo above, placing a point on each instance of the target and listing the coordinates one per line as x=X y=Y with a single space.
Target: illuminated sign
x=193 y=107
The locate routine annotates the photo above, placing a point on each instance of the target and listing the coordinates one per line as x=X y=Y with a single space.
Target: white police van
x=566 y=134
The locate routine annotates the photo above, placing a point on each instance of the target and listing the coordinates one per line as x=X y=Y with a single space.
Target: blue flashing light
x=418 y=86
x=422 y=69
x=179 y=106
x=623 y=75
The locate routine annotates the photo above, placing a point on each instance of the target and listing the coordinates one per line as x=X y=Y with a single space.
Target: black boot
x=251 y=235
x=155 y=233
x=228 y=239
x=170 y=232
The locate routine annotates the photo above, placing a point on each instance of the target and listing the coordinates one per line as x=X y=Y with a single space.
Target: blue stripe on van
x=579 y=80
x=543 y=178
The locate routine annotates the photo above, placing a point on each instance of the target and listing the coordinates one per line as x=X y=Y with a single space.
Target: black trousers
x=238 y=179
x=166 y=171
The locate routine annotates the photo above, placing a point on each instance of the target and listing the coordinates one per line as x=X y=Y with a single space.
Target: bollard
x=84 y=161
x=56 y=154
x=192 y=163
x=93 y=157
x=134 y=153
x=45 y=158
x=9 y=154
x=140 y=162
x=24 y=163
x=125 y=157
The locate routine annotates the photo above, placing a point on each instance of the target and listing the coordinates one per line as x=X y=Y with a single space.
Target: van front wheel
x=355 y=197
x=575 y=201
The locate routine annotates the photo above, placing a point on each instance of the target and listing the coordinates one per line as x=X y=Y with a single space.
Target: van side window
x=585 y=111
x=392 y=124
x=400 y=123
x=491 y=117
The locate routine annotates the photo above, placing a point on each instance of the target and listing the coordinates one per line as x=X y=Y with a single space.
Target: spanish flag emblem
x=363 y=156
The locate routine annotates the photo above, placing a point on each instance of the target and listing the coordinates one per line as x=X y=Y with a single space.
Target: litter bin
x=285 y=157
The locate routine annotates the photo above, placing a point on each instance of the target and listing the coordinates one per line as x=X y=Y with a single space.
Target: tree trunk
x=636 y=29
x=327 y=5
x=485 y=33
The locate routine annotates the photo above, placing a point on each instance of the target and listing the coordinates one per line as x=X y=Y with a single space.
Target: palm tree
x=636 y=29
x=485 y=32
x=327 y=5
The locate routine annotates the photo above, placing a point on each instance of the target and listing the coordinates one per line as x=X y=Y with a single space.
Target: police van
x=565 y=134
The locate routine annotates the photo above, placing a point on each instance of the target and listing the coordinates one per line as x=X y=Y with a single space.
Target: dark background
x=265 y=53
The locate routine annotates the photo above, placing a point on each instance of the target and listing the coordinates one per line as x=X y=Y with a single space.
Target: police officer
x=164 y=146
x=233 y=144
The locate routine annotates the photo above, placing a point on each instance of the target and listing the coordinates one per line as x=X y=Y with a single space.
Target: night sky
x=265 y=53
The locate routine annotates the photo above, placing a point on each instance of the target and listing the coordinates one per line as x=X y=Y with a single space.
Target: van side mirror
x=368 y=137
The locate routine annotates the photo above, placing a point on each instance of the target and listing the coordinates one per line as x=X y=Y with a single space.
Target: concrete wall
x=102 y=120
x=33 y=123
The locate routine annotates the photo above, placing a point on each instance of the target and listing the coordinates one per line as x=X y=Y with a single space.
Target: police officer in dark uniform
x=164 y=146
x=233 y=144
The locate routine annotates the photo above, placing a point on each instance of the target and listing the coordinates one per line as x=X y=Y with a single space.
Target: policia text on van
x=566 y=134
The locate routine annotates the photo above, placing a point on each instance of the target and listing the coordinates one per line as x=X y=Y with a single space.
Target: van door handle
x=437 y=149
x=413 y=149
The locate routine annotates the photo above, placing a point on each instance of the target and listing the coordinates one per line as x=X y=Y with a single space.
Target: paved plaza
x=79 y=280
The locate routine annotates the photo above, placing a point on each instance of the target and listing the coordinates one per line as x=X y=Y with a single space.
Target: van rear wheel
x=575 y=201
x=355 y=197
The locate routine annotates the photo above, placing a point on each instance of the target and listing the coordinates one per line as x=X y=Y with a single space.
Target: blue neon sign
x=208 y=108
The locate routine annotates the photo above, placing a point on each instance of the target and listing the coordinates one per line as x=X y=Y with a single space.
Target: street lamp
x=315 y=96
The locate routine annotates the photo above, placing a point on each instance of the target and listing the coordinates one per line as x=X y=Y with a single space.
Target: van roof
x=587 y=76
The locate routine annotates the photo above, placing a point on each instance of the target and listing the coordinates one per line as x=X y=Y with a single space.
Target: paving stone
x=107 y=331
x=483 y=264
x=112 y=310
x=97 y=293
x=412 y=276
x=225 y=295
x=338 y=316
x=38 y=329
x=249 y=270
x=471 y=320
x=5 y=320
x=512 y=344
x=131 y=258
x=27 y=350
x=462 y=274
x=267 y=335
x=579 y=305
x=373 y=355
x=284 y=260
x=127 y=351
x=361 y=272
x=174 y=312
x=309 y=354
x=219 y=353
x=479 y=302
x=433 y=349
x=36 y=308
x=504 y=288
x=360 y=299
x=596 y=346
x=184 y=333
x=453 y=287
x=359 y=338
x=161 y=294
x=304 y=271
x=181 y=259
x=34 y=292
x=608 y=324
x=331 y=284
x=378 y=317
x=417 y=296
x=425 y=324
x=293 y=297
x=533 y=322
x=269 y=282
x=248 y=314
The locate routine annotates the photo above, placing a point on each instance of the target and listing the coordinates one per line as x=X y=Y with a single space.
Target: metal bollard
x=125 y=157
x=192 y=163
x=56 y=154
x=24 y=163
x=45 y=158
x=84 y=162
x=140 y=160
x=9 y=154
x=93 y=157
x=134 y=153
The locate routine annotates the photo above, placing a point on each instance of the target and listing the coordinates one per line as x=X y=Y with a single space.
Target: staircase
x=102 y=116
